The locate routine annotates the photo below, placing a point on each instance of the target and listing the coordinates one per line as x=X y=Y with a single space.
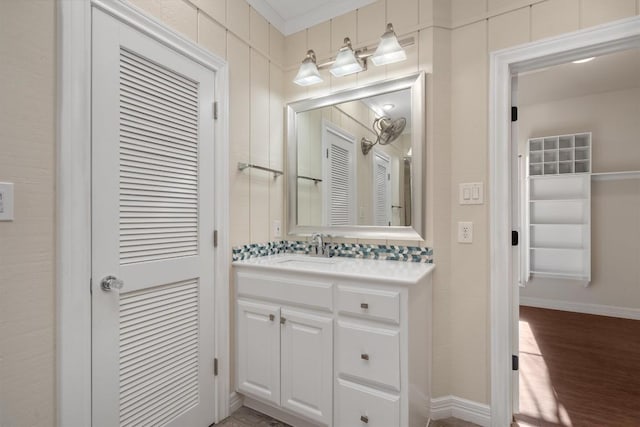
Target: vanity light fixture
x=346 y=62
x=349 y=61
x=389 y=50
x=308 y=73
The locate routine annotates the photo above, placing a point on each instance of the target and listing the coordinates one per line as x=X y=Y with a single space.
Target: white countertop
x=402 y=272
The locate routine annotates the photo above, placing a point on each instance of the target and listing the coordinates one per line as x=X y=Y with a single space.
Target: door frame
x=599 y=40
x=73 y=201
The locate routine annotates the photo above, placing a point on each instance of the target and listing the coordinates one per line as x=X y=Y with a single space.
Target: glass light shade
x=346 y=63
x=389 y=50
x=308 y=74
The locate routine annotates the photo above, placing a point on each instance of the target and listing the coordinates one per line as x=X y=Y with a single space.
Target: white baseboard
x=453 y=406
x=235 y=402
x=579 y=307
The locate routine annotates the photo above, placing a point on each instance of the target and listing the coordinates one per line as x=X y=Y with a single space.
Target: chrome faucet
x=319 y=247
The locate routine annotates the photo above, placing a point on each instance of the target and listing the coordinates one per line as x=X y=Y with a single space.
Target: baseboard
x=578 y=307
x=453 y=406
x=235 y=402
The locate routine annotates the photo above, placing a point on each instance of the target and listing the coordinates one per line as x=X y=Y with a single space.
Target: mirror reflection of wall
x=362 y=184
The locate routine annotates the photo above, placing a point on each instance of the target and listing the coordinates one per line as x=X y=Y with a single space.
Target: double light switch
x=471 y=193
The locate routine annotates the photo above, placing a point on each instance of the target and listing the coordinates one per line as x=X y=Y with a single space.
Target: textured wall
x=27 y=158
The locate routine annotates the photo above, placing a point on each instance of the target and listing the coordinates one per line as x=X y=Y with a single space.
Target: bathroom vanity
x=334 y=341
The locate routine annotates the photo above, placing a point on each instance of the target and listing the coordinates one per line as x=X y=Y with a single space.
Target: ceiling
x=401 y=100
x=607 y=73
x=290 y=16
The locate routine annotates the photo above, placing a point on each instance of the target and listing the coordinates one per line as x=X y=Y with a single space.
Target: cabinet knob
x=364 y=306
x=364 y=419
x=282 y=320
x=272 y=317
x=364 y=356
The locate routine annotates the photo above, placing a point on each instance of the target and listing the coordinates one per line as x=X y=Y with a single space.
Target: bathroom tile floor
x=246 y=417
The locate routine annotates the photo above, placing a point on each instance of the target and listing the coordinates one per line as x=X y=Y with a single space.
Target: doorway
x=577 y=129
x=504 y=165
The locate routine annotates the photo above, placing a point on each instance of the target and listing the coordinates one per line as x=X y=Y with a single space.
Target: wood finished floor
x=578 y=370
x=246 y=417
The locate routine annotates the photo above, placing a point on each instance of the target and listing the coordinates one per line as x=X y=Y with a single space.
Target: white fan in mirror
x=387 y=131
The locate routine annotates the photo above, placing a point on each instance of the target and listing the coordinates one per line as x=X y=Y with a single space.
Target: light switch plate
x=471 y=193
x=6 y=201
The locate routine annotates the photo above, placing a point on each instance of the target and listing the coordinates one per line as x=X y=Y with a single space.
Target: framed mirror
x=355 y=162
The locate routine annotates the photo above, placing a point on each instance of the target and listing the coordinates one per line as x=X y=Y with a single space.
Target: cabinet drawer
x=360 y=406
x=369 y=303
x=371 y=354
x=293 y=291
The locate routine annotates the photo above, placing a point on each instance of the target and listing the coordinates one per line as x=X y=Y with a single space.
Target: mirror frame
x=416 y=231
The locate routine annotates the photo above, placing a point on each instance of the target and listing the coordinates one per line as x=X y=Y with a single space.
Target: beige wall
x=27 y=158
x=612 y=117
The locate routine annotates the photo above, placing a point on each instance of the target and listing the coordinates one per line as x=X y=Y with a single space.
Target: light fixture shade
x=346 y=62
x=308 y=73
x=389 y=50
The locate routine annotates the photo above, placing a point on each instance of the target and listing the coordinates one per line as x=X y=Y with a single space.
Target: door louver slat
x=158 y=353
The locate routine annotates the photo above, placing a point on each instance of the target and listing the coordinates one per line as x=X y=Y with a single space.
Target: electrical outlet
x=277 y=228
x=465 y=232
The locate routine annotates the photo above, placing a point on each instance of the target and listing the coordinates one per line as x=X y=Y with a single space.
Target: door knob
x=111 y=283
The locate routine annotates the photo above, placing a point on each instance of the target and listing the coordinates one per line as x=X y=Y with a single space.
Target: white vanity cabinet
x=346 y=344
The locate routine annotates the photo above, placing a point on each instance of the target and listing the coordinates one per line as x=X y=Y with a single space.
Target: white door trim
x=73 y=199
x=594 y=41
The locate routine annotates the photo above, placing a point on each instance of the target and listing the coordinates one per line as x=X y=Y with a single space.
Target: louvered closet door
x=339 y=174
x=381 y=190
x=152 y=222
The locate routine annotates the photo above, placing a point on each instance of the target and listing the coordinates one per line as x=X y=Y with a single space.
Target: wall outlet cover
x=6 y=201
x=277 y=228
x=465 y=232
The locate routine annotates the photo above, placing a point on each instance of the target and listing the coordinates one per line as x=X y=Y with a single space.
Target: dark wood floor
x=578 y=370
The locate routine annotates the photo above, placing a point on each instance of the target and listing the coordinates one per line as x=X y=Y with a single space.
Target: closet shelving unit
x=559 y=207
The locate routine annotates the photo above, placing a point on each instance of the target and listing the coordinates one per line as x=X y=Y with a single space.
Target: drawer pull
x=364 y=306
x=364 y=356
x=364 y=419
x=272 y=317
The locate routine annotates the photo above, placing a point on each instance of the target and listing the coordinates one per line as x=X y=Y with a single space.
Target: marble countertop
x=400 y=272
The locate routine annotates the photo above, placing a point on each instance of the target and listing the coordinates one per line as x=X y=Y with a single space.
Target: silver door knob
x=111 y=283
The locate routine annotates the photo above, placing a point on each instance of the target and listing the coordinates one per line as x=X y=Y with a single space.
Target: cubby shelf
x=559 y=207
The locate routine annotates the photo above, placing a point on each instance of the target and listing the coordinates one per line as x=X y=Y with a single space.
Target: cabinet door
x=259 y=350
x=307 y=365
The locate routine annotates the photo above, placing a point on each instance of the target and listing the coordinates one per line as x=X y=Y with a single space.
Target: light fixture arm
x=366 y=52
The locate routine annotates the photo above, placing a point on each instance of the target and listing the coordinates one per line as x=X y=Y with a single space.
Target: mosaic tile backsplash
x=350 y=250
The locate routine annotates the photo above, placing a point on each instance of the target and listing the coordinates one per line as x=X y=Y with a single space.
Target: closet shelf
x=577 y=199
x=538 y=248
x=555 y=224
x=608 y=176
x=553 y=274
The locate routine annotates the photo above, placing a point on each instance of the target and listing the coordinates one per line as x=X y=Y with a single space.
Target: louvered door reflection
x=339 y=173
x=152 y=222
x=381 y=190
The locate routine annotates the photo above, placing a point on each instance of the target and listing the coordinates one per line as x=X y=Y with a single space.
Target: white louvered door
x=340 y=176
x=381 y=189
x=152 y=227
